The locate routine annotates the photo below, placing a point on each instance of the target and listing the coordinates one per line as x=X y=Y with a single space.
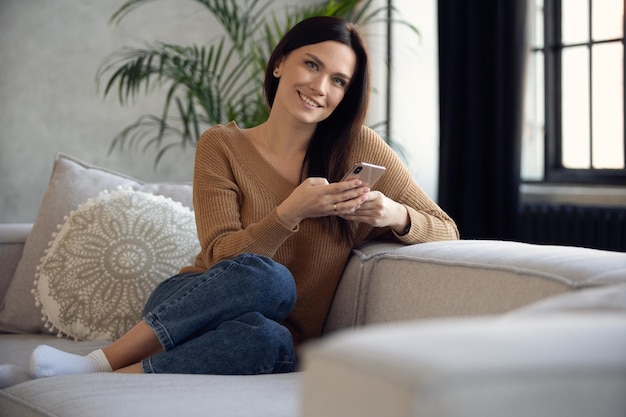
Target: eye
x=340 y=82
x=311 y=65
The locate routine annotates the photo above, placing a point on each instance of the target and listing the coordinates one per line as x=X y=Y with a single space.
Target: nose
x=319 y=85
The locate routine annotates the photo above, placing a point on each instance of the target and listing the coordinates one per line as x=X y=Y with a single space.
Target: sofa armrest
x=342 y=312
x=386 y=282
x=12 y=239
x=554 y=365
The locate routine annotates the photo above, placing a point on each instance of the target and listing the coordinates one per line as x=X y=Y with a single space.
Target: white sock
x=13 y=375
x=48 y=361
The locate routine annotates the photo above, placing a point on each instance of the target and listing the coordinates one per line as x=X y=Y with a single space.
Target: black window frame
x=554 y=171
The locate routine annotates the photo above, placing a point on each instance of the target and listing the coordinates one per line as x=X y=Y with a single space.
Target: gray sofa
x=459 y=328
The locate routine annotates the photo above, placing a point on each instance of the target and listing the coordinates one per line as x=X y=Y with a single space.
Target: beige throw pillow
x=72 y=182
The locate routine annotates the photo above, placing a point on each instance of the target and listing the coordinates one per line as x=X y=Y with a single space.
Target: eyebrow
x=321 y=64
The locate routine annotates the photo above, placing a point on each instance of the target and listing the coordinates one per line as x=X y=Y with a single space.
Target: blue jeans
x=224 y=321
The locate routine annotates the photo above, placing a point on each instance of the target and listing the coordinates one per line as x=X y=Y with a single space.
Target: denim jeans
x=224 y=321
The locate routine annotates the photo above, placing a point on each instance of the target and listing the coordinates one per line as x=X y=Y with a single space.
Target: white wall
x=415 y=91
x=51 y=50
x=414 y=118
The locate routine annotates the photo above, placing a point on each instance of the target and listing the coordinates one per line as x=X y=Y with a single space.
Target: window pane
x=608 y=105
x=575 y=21
x=607 y=19
x=533 y=133
x=575 y=108
x=536 y=24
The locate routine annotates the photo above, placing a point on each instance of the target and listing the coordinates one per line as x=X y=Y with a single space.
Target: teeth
x=308 y=101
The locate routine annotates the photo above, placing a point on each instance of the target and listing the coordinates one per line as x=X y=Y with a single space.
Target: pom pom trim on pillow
x=105 y=260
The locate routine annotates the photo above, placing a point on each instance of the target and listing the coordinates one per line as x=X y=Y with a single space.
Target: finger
x=347 y=207
x=350 y=184
x=355 y=195
x=316 y=181
x=374 y=195
x=375 y=201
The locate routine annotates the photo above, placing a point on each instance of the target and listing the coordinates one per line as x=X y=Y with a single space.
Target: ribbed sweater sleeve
x=428 y=221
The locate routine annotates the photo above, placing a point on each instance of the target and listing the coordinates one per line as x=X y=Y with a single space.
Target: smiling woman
x=275 y=221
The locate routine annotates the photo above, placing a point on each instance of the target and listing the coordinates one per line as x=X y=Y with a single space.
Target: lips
x=309 y=101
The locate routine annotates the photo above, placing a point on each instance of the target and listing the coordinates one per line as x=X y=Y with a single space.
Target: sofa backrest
x=12 y=238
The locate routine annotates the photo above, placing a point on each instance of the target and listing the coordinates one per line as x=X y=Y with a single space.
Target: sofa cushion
x=546 y=365
x=608 y=299
x=72 y=182
x=107 y=258
x=155 y=395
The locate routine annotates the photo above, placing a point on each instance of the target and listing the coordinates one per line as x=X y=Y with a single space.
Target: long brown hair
x=334 y=137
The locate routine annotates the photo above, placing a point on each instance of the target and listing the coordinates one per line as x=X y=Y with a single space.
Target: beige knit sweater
x=236 y=192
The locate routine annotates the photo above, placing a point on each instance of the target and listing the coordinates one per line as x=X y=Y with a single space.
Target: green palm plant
x=216 y=83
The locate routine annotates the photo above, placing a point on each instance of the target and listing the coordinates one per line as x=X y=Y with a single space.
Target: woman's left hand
x=380 y=211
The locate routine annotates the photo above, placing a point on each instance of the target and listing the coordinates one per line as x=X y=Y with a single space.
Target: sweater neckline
x=259 y=166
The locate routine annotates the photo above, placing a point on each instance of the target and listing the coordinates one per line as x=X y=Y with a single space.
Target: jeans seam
x=160 y=331
x=146 y=366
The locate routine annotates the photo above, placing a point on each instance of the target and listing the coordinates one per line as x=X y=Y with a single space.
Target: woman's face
x=313 y=80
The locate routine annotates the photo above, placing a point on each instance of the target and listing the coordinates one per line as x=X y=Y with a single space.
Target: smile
x=308 y=100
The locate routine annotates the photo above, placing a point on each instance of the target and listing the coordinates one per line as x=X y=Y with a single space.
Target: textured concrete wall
x=49 y=54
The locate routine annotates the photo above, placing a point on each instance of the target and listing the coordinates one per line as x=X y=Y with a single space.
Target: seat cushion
x=154 y=395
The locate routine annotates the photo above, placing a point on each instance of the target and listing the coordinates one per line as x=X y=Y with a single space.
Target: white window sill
x=582 y=195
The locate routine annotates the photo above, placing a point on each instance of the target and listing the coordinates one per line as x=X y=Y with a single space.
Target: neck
x=284 y=149
x=285 y=140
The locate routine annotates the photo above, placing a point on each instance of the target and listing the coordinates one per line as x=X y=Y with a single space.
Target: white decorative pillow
x=72 y=182
x=106 y=259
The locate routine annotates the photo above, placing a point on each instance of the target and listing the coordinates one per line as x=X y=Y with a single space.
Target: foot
x=47 y=361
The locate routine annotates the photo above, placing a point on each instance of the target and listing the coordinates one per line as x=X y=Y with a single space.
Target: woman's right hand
x=315 y=197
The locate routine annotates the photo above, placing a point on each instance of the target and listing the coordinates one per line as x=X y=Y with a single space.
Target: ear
x=278 y=68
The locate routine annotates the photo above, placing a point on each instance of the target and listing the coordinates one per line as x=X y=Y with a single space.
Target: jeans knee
x=268 y=277
x=272 y=343
x=266 y=266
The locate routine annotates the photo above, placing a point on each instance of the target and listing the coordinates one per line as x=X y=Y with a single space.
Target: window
x=574 y=115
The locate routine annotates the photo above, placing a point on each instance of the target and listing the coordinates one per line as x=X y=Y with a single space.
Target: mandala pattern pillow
x=107 y=258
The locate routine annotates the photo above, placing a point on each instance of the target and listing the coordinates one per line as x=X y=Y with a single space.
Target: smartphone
x=368 y=173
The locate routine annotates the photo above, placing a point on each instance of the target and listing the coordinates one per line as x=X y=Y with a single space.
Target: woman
x=276 y=224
